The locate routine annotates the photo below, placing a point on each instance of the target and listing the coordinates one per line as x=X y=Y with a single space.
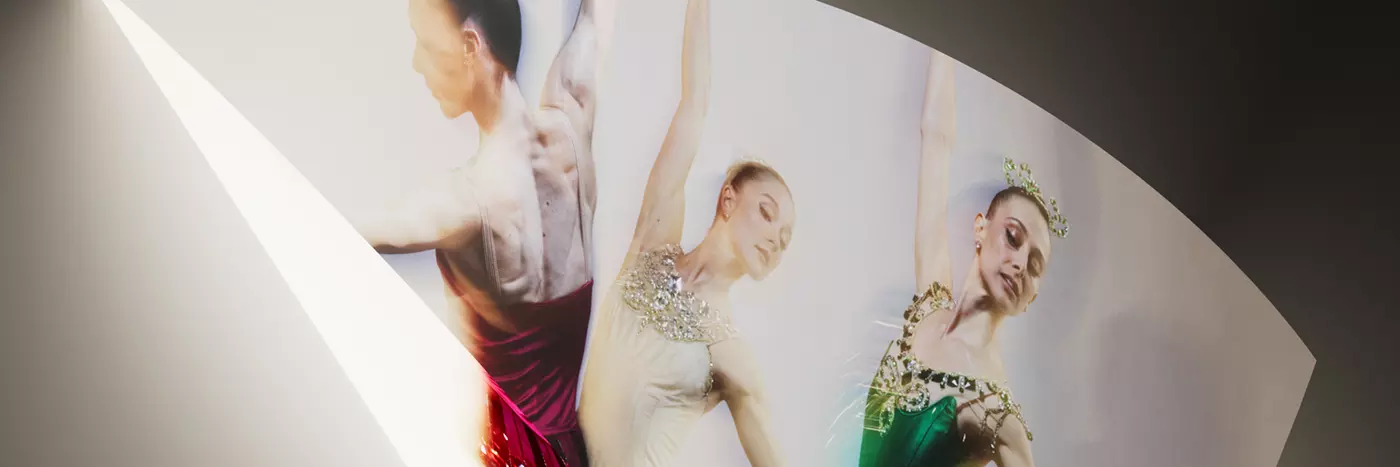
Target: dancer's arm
x=939 y=129
x=570 y=85
x=663 y=202
x=571 y=88
x=444 y=214
x=1013 y=448
x=737 y=377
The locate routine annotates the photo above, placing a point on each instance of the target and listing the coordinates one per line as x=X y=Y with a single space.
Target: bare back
x=535 y=188
x=535 y=217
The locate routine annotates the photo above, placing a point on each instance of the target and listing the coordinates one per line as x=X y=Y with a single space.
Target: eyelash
x=1034 y=267
x=1011 y=238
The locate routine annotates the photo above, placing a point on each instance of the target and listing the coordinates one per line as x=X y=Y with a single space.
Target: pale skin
x=1012 y=250
x=532 y=173
x=750 y=232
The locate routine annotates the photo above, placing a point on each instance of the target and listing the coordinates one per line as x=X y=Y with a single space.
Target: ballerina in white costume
x=663 y=351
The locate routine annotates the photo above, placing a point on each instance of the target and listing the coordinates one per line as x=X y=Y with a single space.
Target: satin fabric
x=928 y=438
x=642 y=393
x=511 y=441
x=537 y=364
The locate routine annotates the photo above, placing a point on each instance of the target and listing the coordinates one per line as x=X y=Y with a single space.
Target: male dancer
x=512 y=228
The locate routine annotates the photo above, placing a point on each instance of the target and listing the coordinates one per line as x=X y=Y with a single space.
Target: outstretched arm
x=738 y=381
x=443 y=214
x=939 y=128
x=663 y=202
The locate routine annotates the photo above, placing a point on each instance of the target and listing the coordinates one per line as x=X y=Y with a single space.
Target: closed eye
x=769 y=206
x=1012 y=239
x=1037 y=263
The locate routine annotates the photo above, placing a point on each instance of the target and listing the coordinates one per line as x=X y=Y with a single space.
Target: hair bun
x=744 y=158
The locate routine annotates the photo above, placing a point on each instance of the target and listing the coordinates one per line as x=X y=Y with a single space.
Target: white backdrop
x=1146 y=347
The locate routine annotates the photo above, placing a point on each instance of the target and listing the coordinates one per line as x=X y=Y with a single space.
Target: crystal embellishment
x=1020 y=176
x=653 y=289
x=903 y=383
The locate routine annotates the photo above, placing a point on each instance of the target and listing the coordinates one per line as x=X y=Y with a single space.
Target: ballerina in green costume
x=939 y=398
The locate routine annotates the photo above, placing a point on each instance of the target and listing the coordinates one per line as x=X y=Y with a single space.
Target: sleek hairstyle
x=743 y=172
x=499 y=22
x=1016 y=192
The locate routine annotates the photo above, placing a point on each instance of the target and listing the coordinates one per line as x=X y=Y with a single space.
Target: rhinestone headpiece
x=1019 y=175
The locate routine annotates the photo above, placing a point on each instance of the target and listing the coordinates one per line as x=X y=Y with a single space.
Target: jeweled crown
x=1020 y=176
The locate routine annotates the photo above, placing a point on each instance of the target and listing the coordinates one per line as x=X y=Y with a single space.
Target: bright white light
x=421 y=385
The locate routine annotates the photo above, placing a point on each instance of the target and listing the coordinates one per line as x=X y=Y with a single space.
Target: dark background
x=1269 y=124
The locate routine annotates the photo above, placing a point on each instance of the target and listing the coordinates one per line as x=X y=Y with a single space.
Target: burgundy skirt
x=511 y=441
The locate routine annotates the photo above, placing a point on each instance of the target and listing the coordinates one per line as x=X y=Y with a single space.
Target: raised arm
x=663 y=203
x=939 y=128
x=739 y=385
x=571 y=83
x=441 y=215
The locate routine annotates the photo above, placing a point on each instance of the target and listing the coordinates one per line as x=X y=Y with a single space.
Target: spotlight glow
x=422 y=386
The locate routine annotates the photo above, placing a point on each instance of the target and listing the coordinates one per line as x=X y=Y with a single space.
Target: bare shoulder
x=495 y=180
x=502 y=186
x=735 y=367
x=565 y=124
x=1014 y=445
x=560 y=127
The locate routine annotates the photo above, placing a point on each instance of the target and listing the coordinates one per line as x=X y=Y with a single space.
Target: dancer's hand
x=940 y=101
x=695 y=54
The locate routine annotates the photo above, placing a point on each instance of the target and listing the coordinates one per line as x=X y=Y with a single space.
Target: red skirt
x=511 y=441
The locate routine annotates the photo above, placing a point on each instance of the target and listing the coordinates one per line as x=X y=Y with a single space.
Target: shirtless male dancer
x=512 y=228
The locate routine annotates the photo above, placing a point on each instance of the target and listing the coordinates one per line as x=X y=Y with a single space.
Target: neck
x=711 y=264
x=976 y=322
x=501 y=107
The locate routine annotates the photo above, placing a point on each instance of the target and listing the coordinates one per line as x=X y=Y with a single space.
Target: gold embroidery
x=902 y=382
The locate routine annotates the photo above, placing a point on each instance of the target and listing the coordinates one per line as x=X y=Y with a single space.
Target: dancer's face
x=1014 y=254
x=759 y=215
x=447 y=55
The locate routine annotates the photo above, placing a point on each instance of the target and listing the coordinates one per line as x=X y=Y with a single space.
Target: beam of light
x=422 y=387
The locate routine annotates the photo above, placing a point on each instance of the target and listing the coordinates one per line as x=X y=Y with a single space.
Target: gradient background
x=118 y=351
x=1145 y=339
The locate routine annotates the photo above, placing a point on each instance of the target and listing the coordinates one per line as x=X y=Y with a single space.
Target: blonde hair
x=745 y=169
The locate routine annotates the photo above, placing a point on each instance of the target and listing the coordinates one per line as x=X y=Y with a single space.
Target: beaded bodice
x=904 y=383
x=653 y=289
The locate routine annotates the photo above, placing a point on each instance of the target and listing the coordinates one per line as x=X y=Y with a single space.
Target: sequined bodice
x=653 y=289
x=650 y=374
x=903 y=383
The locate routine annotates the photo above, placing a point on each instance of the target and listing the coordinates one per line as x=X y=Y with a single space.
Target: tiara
x=1019 y=176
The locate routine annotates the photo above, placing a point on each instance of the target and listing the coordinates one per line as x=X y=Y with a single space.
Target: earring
x=978 y=244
